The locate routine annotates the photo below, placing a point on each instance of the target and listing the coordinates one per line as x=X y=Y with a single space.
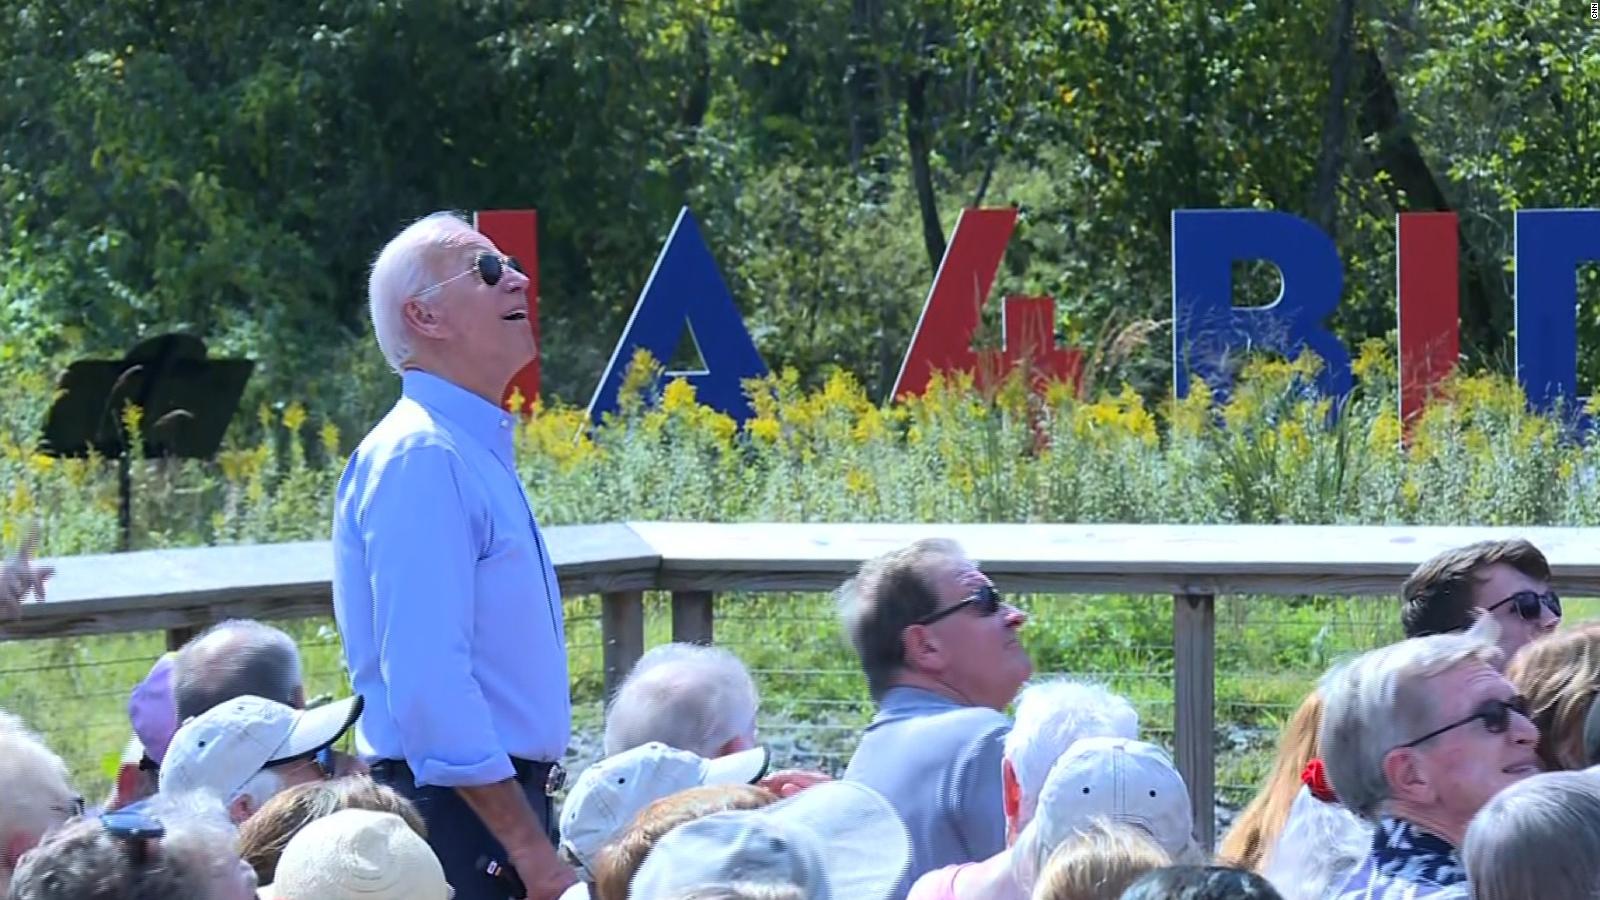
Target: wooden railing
x=179 y=591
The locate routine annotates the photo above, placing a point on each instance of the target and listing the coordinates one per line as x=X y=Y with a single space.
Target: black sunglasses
x=1496 y=716
x=490 y=268
x=1528 y=603
x=986 y=600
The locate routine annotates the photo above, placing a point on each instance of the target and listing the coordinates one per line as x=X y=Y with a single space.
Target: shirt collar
x=1400 y=848
x=486 y=422
x=908 y=699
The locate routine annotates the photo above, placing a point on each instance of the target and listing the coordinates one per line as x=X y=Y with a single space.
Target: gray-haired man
x=940 y=652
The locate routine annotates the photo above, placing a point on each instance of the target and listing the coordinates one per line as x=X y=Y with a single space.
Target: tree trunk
x=921 y=170
x=692 y=106
x=862 y=83
x=1330 y=161
x=1397 y=154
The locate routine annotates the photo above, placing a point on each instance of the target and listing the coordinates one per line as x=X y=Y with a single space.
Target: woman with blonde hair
x=1098 y=863
x=264 y=836
x=1559 y=676
x=1258 y=826
x=620 y=861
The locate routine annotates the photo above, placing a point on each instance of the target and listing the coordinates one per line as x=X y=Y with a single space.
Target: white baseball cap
x=357 y=854
x=224 y=747
x=1120 y=780
x=607 y=795
x=839 y=840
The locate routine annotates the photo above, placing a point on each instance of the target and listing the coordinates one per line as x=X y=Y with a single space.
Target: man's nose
x=1015 y=617
x=514 y=280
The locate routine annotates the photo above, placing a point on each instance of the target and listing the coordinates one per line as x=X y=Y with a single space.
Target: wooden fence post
x=621 y=635
x=1194 y=625
x=693 y=616
x=177 y=637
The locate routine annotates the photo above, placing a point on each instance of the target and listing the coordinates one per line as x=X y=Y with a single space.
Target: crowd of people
x=1453 y=763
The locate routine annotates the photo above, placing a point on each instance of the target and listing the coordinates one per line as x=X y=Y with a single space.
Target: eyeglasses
x=1496 y=716
x=986 y=600
x=1528 y=603
x=135 y=829
x=489 y=267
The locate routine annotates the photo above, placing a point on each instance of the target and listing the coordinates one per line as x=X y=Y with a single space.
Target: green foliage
x=232 y=173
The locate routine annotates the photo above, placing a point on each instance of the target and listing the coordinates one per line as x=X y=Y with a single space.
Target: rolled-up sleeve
x=417 y=529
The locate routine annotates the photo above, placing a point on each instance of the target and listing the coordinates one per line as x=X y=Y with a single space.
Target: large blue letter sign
x=686 y=288
x=1207 y=329
x=1550 y=243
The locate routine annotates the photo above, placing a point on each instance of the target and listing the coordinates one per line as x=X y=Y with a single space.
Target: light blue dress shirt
x=445 y=595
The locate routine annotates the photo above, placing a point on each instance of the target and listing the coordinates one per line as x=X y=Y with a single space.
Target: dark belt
x=526 y=771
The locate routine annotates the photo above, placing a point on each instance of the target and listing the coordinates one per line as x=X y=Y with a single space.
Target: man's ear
x=240 y=809
x=1010 y=794
x=426 y=319
x=921 y=648
x=1404 y=770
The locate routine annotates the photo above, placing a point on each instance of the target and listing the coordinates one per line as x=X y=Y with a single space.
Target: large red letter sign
x=1427 y=293
x=943 y=339
x=516 y=233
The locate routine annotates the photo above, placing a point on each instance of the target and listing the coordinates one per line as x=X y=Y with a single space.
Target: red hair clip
x=1315 y=777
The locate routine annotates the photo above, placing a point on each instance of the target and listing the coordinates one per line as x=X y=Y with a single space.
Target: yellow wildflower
x=264 y=416
x=764 y=428
x=869 y=427
x=1373 y=360
x=294 y=415
x=330 y=440
x=679 y=395
x=721 y=426
x=857 y=482
x=132 y=418
x=41 y=463
x=1384 y=435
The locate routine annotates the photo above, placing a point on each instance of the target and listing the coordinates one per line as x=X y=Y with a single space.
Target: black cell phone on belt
x=503 y=873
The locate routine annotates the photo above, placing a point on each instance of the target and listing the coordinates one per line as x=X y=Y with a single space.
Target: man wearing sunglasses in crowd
x=1507 y=580
x=941 y=654
x=1416 y=737
x=443 y=589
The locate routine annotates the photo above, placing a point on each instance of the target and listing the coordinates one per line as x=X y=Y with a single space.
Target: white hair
x=1052 y=714
x=192 y=859
x=686 y=696
x=1539 y=837
x=35 y=792
x=1320 y=845
x=1380 y=700
x=404 y=267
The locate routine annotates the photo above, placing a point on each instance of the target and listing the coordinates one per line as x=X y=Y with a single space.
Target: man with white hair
x=1417 y=737
x=179 y=846
x=1052 y=715
x=443 y=588
x=245 y=751
x=35 y=795
x=940 y=650
x=687 y=696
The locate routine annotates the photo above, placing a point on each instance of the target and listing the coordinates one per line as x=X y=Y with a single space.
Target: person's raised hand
x=788 y=782
x=19 y=577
